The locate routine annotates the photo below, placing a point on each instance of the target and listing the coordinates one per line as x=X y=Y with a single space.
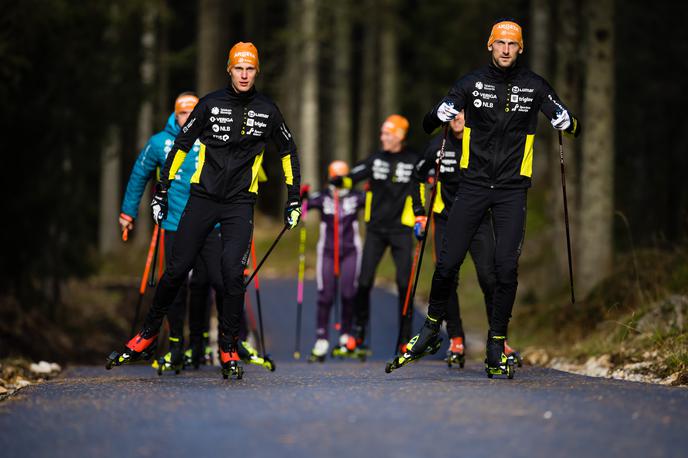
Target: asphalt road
x=341 y=408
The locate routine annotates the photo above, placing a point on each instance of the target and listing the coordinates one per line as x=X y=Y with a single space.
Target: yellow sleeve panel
x=368 y=206
x=286 y=167
x=527 y=163
x=465 y=147
x=408 y=218
x=438 y=206
x=347 y=183
x=255 y=171
x=196 y=177
x=262 y=176
x=179 y=157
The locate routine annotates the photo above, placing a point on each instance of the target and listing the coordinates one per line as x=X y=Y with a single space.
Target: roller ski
x=173 y=360
x=508 y=351
x=319 y=351
x=346 y=348
x=141 y=347
x=199 y=353
x=497 y=362
x=250 y=355
x=426 y=342
x=456 y=354
x=230 y=364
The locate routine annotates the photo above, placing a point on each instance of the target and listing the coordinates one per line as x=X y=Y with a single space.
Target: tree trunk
x=389 y=60
x=567 y=83
x=367 y=118
x=597 y=171
x=342 y=92
x=213 y=46
x=308 y=138
x=108 y=229
x=145 y=122
x=540 y=45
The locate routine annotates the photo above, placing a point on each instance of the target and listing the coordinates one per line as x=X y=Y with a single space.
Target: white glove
x=562 y=121
x=446 y=112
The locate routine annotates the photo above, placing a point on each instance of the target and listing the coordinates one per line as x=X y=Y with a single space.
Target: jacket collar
x=240 y=97
x=501 y=73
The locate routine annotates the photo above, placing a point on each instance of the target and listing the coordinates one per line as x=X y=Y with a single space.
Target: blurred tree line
x=84 y=84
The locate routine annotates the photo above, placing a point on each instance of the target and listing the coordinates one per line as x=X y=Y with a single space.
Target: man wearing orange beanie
x=236 y=127
x=501 y=103
x=390 y=218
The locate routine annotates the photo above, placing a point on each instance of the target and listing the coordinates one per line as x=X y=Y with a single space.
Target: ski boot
x=426 y=342
x=346 y=347
x=508 y=351
x=250 y=355
x=230 y=364
x=208 y=350
x=455 y=353
x=173 y=360
x=497 y=363
x=360 y=350
x=194 y=355
x=141 y=346
x=319 y=351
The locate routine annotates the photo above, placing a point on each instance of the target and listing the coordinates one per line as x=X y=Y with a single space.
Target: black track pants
x=482 y=249
x=197 y=221
x=206 y=273
x=401 y=244
x=509 y=216
x=178 y=307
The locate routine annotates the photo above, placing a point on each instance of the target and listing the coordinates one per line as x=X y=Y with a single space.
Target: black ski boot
x=141 y=346
x=426 y=342
x=496 y=362
x=193 y=357
x=174 y=359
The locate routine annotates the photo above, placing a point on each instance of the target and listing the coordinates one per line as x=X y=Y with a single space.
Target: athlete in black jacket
x=501 y=103
x=236 y=126
x=389 y=216
x=482 y=245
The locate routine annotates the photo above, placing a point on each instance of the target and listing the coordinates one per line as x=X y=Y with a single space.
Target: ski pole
x=158 y=232
x=258 y=305
x=125 y=234
x=416 y=272
x=302 y=270
x=161 y=254
x=253 y=327
x=566 y=214
x=337 y=324
x=144 y=278
x=265 y=257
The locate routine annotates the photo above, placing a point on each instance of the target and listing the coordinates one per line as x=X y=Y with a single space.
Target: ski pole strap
x=149 y=259
x=265 y=257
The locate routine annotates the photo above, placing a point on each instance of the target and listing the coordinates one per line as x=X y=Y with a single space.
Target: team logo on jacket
x=479 y=85
x=477 y=103
x=403 y=172
x=381 y=169
x=255 y=114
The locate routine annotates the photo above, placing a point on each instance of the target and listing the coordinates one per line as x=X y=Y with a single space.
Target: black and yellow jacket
x=448 y=183
x=235 y=131
x=501 y=110
x=389 y=205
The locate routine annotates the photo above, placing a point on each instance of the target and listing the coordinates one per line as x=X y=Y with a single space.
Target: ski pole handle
x=125 y=234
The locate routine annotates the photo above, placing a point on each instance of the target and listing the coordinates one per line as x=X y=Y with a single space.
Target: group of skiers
x=476 y=171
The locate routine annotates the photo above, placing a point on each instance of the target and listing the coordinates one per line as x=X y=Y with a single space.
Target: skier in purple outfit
x=339 y=210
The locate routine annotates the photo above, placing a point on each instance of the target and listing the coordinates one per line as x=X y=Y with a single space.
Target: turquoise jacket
x=153 y=157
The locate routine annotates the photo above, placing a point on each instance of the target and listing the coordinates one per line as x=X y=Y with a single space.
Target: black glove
x=159 y=204
x=292 y=214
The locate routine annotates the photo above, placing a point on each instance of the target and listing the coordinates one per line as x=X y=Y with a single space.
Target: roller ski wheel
x=232 y=369
x=141 y=347
x=409 y=357
x=316 y=358
x=455 y=359
x=505 y=367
